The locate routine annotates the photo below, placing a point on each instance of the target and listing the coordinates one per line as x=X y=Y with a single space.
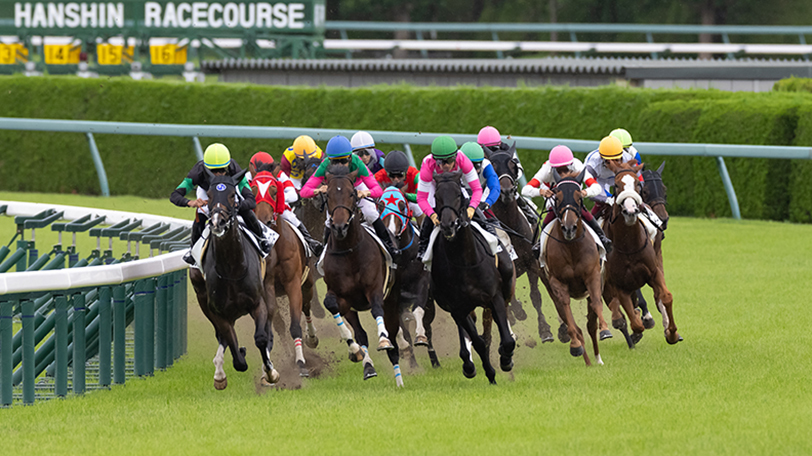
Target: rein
x=330 y=213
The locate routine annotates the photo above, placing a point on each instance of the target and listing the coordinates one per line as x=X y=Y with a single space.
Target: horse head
x=507 y=168
x=627 y=189
x=265 y=188
x=341 y=194
x=223 y=201
x=449 y=202
x=311 y=164
x=568 y=199
x=654 y=192
x=394 y=211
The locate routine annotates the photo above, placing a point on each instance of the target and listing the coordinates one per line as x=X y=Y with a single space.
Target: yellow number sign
x=168 y=54
x=62 y=54
x=109 y=54
x=13 y=53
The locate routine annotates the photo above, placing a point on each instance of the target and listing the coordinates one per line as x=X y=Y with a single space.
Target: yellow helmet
x=304 y=146
x=216 y=156
x=610 y=148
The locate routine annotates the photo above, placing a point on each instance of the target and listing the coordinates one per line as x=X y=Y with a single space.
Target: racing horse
x=654 y=195
x=356 y=272
x=522 y=234
x=573 y=266
x=633 y=261
x=287 y=267
x=230 y=284
x=466 y=275
x=311 y=213
x=410 y=289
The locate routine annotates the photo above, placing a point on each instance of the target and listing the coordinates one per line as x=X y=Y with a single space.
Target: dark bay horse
x=466 y=275
x=573 y=266
x=522 y=234
x=355 y=272
x=410 y=289
x=230 y=284
x=311 y=213
x=633 y=261
x=654 y=194
x=288 y=272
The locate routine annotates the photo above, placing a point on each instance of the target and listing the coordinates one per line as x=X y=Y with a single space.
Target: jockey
x=364 y=146
x=294 y=158
x=562 y=161
x=284 y=185
x=398 y=173
x=339 y=151
x=626 y=141
x=444 y=158
x=216 y=159
x=488 y=179
x=610 y=149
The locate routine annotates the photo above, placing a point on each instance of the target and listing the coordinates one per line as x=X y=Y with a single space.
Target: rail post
x=27 y=314
x=79 y=349
x=731 y=192
x=97 y=161
x=105 y=335
x=61 y=348
x=149 y=328
x=119 y=328
x=160 y=323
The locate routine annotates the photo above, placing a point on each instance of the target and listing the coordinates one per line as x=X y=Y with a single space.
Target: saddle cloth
x=493 y=243
x=545 y=236
x=308 y=252
x=199 y=249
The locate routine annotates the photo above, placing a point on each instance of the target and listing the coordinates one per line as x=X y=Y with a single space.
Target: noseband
x=458 y=222
x=331 y=213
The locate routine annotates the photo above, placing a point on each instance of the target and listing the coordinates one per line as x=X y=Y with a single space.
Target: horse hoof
x=648 y=322
x=636 y=337
x=384 y=344
x=421 y=341
x=606 y=334
x=220 y=385
x=356 y=354
x=563 y=335
x=369 y=371
x=620 y=323
x=506 y=366
x=242 y=351
x=577 y=351
x=271 y=377
x=304 y=372
x=519 y=312
x=547 y=336
x=435 y=363
x=312 y=342
x=672 y=340
x=469 y=373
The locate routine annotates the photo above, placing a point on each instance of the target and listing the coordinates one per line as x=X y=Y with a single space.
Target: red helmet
x=261 y=157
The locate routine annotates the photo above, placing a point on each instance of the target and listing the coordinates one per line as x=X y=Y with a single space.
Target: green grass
x=738 y=384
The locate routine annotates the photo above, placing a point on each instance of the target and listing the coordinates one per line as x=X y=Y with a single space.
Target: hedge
x=794 y=84
x=153 y=166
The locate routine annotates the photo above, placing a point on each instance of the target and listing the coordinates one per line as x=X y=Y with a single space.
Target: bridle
x=510 y=177
x=351 y=210
x=657 y=198
x=458 y=222
x=559 y=211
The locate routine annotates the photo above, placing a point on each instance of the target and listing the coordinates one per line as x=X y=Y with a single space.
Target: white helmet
x=362 y=140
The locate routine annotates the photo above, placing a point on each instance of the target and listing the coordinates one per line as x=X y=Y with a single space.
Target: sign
x=110 y=54
x=62 y=54
x=167 y=54
x=133 y=16
x=13 y=53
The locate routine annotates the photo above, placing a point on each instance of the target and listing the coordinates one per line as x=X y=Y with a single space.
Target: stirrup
x=188 y=258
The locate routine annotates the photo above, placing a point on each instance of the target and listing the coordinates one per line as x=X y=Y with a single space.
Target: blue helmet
x=338 y=147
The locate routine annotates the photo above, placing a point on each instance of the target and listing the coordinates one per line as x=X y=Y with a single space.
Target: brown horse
x=654 y=195
x=230 y=284
x=355 y=272
x=311 y=213
x=633 y=261
x=287 y=267
x=521 y=233
x=573 y=266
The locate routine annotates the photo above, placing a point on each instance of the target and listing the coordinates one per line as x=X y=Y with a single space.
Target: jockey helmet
x=488 y=136
x=216 y=156
x=610 y=148
x=623 y=135
x=261 y=157
x=362 y=140
x=338 y=147
x=443 y=147
x=473 y=151
x=560 y=156
x=396 y=162
x=304 y=146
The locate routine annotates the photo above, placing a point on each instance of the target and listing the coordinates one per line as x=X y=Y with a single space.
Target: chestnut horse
x=573 y=266
x=466 y=275
x=633 y=261
x=230 y=284
x=355 y=272
x=287 y=267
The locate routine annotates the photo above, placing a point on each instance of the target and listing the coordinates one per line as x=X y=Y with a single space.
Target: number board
x=13 y=53
x=62 y=54
x=168 y=54
x=111 y=54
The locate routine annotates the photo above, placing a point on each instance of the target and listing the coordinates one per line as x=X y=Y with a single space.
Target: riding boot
x=197 y=230
x=527 y=210
x=490 y=226
x=607 y=243
x=383 y=234
x=315 y=245
x=425 y=235
x=253 y=224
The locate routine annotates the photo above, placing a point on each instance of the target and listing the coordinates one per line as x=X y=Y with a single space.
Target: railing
x=648 y=31
x=719 y=151
x=68 y=316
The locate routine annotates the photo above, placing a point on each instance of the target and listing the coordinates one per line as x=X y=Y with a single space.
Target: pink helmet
x=488 y=136
x=560 y=156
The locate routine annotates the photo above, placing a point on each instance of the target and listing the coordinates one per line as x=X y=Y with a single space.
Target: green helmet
x=443 y=147
x=473 y=151
x=216 y=156
x=623 y=135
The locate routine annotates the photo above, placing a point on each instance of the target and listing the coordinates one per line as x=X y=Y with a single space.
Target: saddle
x=202 y=244
x=492 y=242
x=545 y=236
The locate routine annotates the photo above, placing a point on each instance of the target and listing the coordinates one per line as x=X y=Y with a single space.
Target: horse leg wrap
x=219 y=373
x=419 y=329
x=402 y=344
x=297 y=344
x=381 y=327
x=398 y=375
x=342 y=328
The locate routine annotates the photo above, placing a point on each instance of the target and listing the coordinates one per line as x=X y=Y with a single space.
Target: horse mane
x=338 y=170
x=447 y=177
x=263 y=166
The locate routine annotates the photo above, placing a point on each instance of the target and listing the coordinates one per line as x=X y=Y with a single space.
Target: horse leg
x=466 y=353
x=404 y=342
x=665 y=303
x=226 y=333
x=392 y=322
x=220 y=380
x=428 y=318
x=596 y=304
x=563 y=335
x=561 y=296
x=610 y=296
x=419 y=327
x=331 y=304
x=545 y=333
x=634 y=319
x=479 y=346
x=592 y=329
x=487 y=328
x=640 y=301
x=263 y=339
x=308 y=294
x=376 y=307
x=369 y=366
x=295 y=298
x=507 y=342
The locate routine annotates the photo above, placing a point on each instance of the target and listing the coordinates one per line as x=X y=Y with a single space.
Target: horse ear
x=238 y=177
x=353 y=175
x=512 y=149
x=381 y=206
x=580 y=177
x=402 y=206
x=556 y=176
x=637 y=168
x=209 y=173
x=660 y=169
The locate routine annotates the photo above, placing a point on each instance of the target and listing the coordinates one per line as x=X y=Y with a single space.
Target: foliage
x=794 y=84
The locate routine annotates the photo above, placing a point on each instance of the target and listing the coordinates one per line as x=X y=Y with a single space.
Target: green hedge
x=794 y=84
x=153 y=166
